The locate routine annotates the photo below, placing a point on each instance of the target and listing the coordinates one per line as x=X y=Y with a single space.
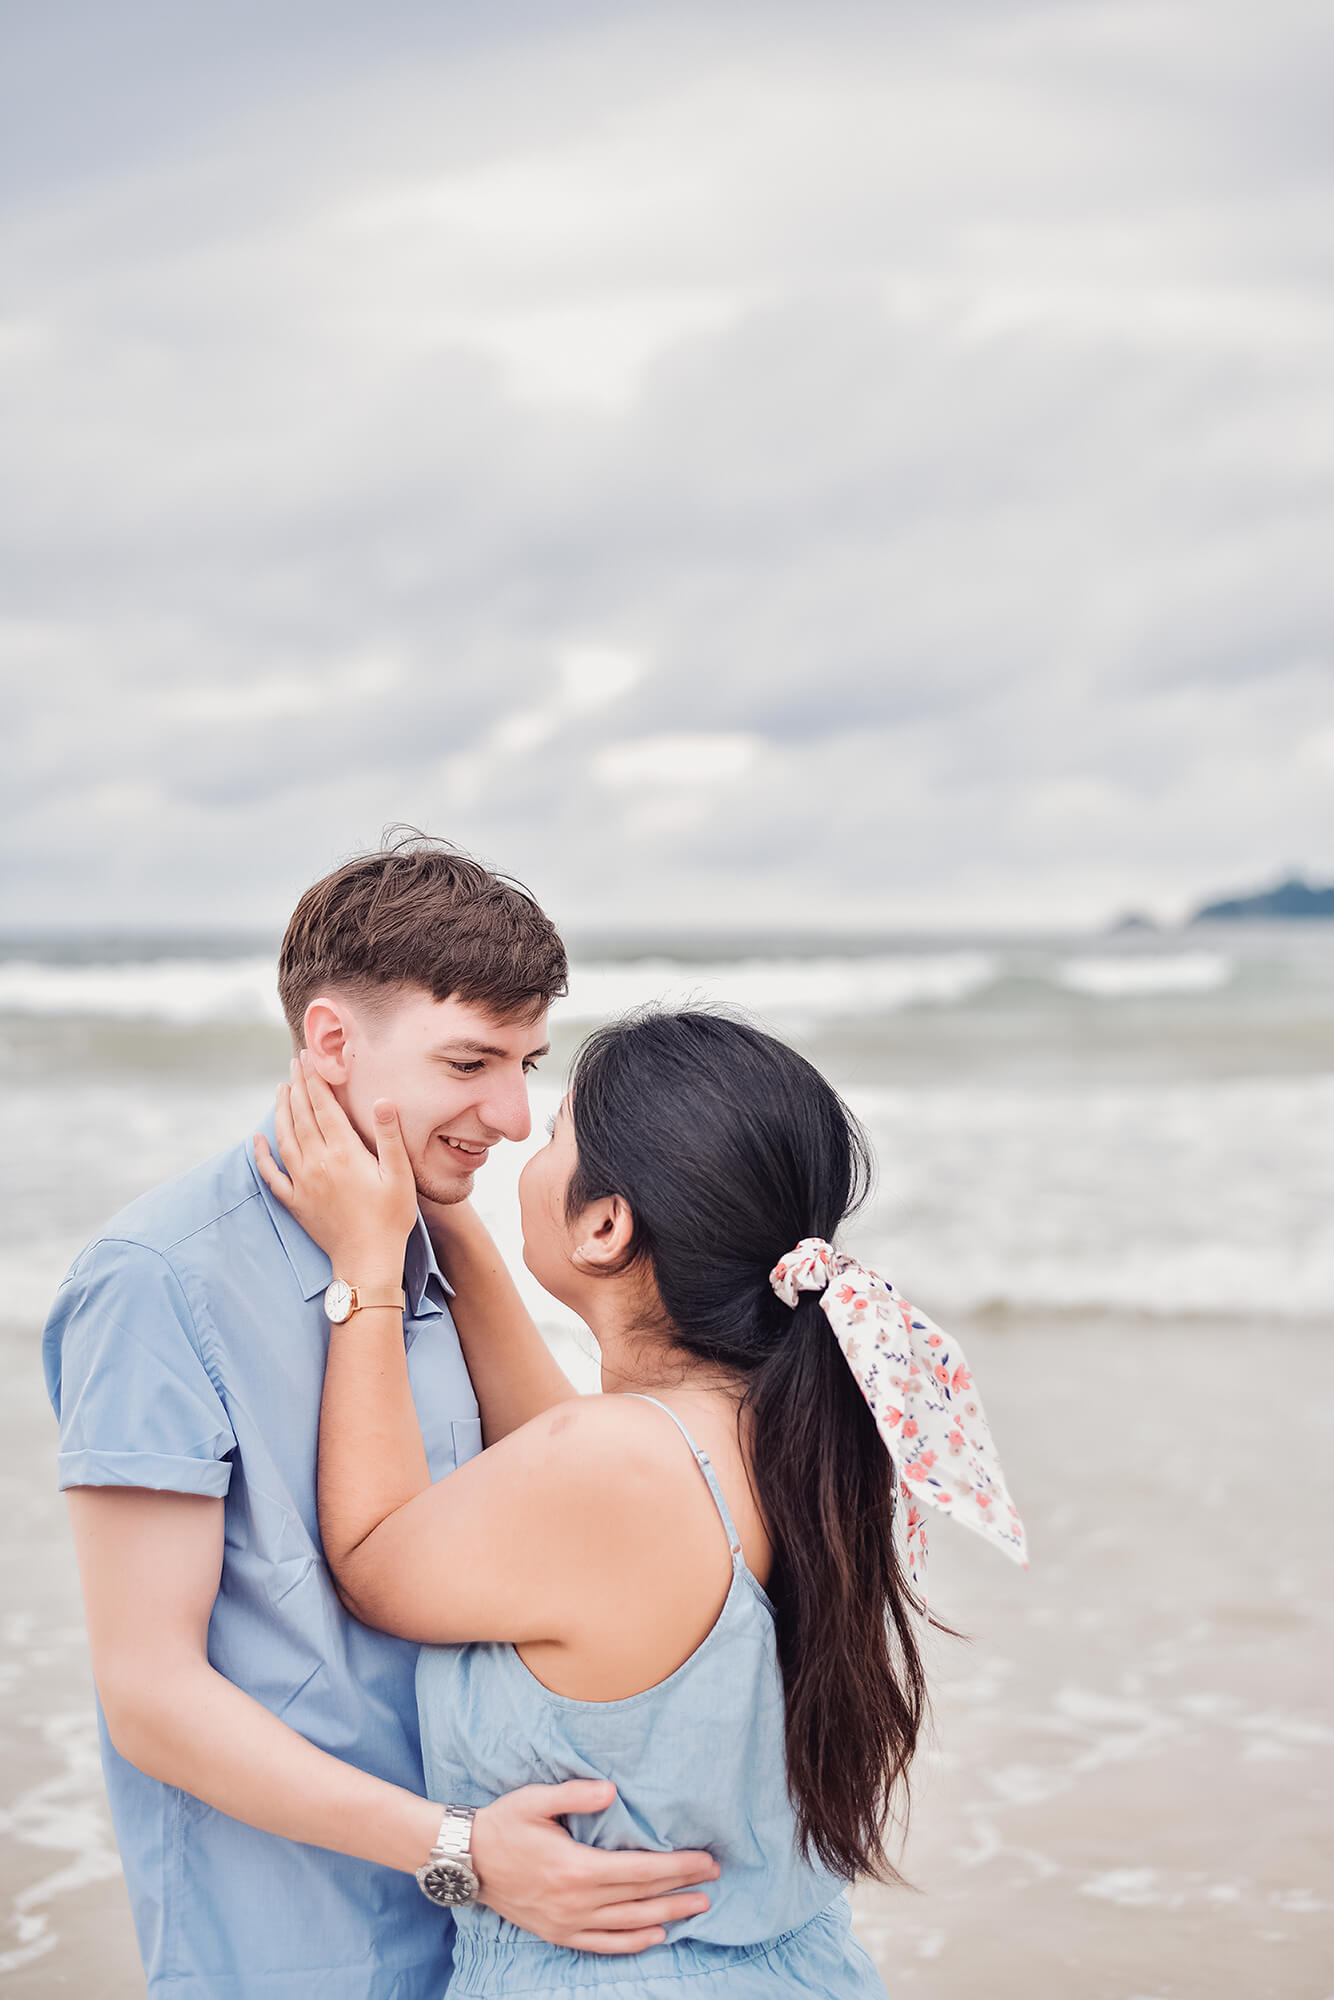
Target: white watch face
x=338 y=1301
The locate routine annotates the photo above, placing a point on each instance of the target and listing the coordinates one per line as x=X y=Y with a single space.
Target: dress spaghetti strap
x=705 y=1465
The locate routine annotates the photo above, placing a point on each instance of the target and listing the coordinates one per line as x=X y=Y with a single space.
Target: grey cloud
x=975 y=467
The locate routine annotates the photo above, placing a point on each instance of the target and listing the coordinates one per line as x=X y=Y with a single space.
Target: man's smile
x=473 y=1148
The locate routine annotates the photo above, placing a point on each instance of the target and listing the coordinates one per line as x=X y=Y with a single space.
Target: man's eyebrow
x=470 y=1048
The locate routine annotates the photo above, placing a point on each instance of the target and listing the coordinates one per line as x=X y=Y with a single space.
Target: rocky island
x=1293 y=898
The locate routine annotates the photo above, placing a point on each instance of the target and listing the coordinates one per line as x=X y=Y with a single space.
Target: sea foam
x=189 y=992
x=1126 y=977
x=808 y=989
x=796 y=990
x=186 y=992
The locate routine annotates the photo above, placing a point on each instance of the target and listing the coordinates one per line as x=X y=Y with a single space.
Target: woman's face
x=548 y=1238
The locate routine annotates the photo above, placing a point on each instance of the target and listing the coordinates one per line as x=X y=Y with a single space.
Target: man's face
x=458 y=1077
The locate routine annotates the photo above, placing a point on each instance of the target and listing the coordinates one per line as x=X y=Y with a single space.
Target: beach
x=1129 y=1790
x=1118 y=1194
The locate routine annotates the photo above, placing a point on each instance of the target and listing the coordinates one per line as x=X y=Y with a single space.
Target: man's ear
x=605 y=1229
x=327 y=1029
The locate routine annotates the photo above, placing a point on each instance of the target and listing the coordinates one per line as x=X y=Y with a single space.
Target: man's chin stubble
x=445 y=1194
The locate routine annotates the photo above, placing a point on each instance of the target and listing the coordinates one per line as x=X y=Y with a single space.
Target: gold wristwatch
x=342 y=1300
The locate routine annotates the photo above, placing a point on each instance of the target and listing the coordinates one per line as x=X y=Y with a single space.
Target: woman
x=689 y=1585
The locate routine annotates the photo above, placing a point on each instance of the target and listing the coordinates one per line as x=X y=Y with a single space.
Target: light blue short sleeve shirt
x=185 y=1352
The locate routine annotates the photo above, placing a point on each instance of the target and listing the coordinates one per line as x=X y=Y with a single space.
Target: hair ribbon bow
x=919 y=1388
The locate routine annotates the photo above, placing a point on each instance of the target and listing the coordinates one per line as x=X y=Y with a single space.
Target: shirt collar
x=424 y=1282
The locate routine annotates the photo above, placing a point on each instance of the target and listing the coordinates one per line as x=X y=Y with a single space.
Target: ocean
x=1108 y=1162
x=1132 y=1123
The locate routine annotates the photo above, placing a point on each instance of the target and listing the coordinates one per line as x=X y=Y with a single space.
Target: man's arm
x=513 y=1371
x=150 y=1564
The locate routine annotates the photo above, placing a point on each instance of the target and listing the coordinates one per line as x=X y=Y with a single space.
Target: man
x=260 y=1746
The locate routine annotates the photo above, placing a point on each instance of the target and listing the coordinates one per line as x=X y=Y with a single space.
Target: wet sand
x=1131 y=1794
x=1130 y=1791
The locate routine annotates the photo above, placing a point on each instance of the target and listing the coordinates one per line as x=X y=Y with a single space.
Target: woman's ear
x=605 y=1230
x=326 y=1027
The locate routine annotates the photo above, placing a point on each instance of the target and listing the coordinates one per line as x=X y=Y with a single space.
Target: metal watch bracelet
x=449 y=1877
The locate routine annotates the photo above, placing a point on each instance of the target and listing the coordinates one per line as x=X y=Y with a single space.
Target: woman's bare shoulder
x=631 y=1543
x=597 y=1434
x=591 y=1449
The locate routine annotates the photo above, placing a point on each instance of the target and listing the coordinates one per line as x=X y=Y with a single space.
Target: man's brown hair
x=420 y=912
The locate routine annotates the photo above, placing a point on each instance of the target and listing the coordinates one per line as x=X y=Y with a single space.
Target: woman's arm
x=529 y=1513
x=513 y=1371
x=360 y=1206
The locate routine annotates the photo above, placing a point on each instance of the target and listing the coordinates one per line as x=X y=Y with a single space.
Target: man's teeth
x=460 y=1146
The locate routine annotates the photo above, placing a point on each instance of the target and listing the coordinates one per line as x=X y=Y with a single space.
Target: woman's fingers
x=327 y=1112
x=393 y=1153
x=303 y=1118
x=270 y=1172
x=338 y=1129
x=289 y=1146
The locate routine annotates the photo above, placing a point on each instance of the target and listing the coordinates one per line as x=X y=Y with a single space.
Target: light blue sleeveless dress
x=698 y=1761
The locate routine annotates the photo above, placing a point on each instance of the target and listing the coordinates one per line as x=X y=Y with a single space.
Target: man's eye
x=465 y=1068
x=530 y=1069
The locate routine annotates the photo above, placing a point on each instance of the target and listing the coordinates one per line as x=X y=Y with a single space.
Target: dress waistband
x=513 y=1962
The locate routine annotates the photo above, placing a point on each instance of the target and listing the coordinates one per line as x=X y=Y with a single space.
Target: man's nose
x=506 y=1109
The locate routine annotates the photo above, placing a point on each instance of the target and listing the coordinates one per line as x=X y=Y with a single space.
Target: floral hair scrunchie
x=919 y=1388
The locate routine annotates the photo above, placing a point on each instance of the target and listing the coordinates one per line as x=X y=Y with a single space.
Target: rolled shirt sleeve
x=128 y=1379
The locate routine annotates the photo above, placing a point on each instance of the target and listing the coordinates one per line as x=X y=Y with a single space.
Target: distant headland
x=1293 y=898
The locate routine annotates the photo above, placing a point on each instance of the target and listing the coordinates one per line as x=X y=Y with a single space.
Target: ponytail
x=729 y=1148
x=853 y=1683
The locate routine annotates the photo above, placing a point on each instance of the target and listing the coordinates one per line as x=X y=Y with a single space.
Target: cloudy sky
x=735 y=461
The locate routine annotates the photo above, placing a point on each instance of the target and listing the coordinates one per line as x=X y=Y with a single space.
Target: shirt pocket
x=467 y=1433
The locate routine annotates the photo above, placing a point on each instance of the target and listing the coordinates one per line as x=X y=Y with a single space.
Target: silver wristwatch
x=449 y=1877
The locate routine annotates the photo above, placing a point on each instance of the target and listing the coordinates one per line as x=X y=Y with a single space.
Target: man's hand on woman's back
x=587 y=1898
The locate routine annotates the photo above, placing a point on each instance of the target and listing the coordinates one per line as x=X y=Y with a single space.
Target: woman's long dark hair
x=729 y=1148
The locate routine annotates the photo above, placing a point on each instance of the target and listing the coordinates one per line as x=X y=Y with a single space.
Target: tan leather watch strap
x=373 y=1300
